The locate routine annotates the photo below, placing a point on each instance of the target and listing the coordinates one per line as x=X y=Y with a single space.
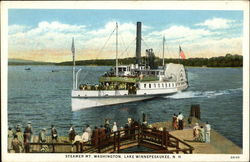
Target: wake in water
x=208 y=94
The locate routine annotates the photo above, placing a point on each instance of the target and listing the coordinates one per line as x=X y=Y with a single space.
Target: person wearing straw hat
x=196 y=132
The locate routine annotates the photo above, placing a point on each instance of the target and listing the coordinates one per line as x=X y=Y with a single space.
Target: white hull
x=83 y=103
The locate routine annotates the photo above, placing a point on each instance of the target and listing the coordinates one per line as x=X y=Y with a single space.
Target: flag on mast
x=181 y=53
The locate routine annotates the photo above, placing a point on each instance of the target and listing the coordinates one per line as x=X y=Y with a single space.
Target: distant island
x=27 y=62
x=222 y=61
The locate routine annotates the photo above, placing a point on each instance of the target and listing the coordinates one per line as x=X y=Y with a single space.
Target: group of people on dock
x=19 y=141
x=177 y=122
x=96 y=135
x=202 y=134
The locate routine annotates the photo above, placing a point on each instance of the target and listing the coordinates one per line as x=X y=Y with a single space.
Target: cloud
x=217 y=23
x=51 y=41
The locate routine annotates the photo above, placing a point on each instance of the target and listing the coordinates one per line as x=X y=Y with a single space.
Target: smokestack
x=138 y=43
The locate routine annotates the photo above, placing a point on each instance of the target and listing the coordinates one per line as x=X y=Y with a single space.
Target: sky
x=46 y=34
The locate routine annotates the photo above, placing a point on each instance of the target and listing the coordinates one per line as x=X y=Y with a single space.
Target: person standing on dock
x=53 y=133
x=10 y=138
x=28 y=131
x=89 y=130
x=72 y=134
x=107 y=128
x=94 y=139
x=196 y=132
x=175 y=122
x=202 y=134
x=180 y=120
x=207 y=132
x=114 y=129
x=19 y=134
x=27 y=137
x=16 y=144
x=42 y=139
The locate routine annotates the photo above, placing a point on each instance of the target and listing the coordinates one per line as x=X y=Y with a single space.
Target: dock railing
x=159 y=141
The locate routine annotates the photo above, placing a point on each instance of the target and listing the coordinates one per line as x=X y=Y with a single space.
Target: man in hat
x=53 y=133
x=19 y=134
x=28 y=131
x=72 y=134
x=107 y=128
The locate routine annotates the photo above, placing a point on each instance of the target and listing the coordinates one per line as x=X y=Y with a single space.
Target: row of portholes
x=159 y=85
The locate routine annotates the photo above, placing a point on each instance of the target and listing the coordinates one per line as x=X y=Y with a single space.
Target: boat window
x=149 y=85
x=145 y=85
x=169 y=84
x=159 y=85
x=172 y=84
x=166 y=85
x=162 y=85
x=155 y=85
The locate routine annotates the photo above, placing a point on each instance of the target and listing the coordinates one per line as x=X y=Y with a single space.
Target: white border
x=149 y=5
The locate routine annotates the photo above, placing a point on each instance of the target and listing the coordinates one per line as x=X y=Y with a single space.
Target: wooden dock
x=218 y=145
x=164 y=140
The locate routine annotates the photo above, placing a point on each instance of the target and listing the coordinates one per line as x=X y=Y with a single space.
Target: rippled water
x=43 y=97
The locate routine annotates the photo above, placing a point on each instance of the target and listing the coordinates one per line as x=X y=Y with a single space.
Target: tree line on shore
x=222 y=61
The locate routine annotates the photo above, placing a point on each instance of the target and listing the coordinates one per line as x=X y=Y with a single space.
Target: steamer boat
x=129 y=83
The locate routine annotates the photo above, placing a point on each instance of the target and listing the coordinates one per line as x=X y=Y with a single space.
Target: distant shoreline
x=112 y=66
x=222 y=61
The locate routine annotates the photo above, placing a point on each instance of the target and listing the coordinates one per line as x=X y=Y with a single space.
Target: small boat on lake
x=28 y=68
x=129 y=83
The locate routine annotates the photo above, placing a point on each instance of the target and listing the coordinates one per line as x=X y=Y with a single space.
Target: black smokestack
x=138 y=43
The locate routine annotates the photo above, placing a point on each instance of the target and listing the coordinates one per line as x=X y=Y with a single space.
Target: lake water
x=44 y=98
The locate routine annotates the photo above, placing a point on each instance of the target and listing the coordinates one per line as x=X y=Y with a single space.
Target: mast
x=73 y=69
x=116 y=61
x=163 y=50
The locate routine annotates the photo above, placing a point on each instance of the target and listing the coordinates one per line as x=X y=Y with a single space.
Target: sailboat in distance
x=129 y=83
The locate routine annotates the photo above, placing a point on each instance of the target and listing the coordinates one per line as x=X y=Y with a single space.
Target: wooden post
x=53 y=147
x=139 y=134
x=118 y=142
x=195 y=111
x=177 y=147
x=164 y=136
x=98 y=142
x=114 y=141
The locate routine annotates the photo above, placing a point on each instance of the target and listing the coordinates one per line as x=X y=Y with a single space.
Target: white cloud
x=217 y=23
x=17 y=28
x=57 y=36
